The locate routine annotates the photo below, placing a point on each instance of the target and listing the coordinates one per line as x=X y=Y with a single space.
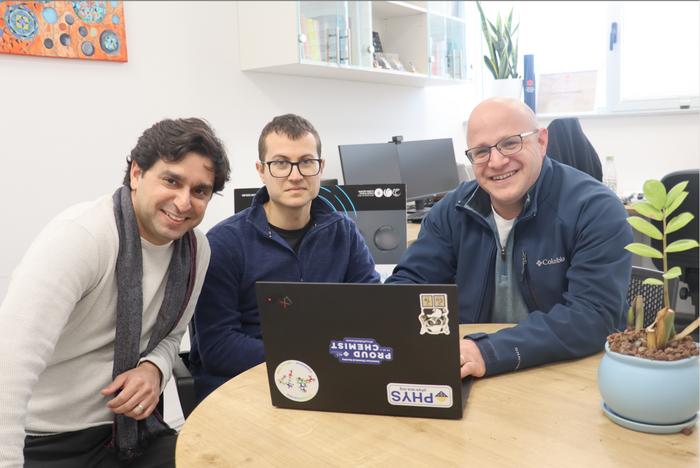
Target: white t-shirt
x=503 y=226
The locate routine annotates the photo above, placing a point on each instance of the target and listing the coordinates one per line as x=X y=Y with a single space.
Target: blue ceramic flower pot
x=649 y=392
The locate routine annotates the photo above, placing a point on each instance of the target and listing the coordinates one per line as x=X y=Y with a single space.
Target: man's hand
x=470 y=359
x=138 y=391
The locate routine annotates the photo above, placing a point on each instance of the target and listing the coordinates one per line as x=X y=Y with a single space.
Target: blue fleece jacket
x=568 y=258
x=227 y=338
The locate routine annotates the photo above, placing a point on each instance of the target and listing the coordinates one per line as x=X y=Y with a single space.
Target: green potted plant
x=502 y=59
x=649 y=377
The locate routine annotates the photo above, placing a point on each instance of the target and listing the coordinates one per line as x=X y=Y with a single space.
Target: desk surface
x=545 y=416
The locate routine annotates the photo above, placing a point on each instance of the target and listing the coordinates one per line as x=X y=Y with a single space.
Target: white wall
x=66 y=126
x=644 y=146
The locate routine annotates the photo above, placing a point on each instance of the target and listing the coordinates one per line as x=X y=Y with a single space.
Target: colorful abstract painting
x=90 y=30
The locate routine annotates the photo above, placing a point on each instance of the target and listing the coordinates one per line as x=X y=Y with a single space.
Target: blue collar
x=321 y=213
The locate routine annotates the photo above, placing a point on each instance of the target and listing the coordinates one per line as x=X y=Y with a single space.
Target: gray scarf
x=131 y=437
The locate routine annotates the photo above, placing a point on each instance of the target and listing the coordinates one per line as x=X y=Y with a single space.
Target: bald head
x=506 y=177
x=500 y=111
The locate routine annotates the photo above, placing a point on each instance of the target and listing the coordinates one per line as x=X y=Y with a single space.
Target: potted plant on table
x=649 y=377
x=502 y=60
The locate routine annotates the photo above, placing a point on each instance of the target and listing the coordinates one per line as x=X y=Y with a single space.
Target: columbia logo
x=550 y=261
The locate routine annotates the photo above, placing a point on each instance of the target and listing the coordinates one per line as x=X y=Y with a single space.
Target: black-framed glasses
x=306 y=167
x=507 y=146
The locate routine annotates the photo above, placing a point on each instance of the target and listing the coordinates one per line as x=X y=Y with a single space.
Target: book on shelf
x=312 y=46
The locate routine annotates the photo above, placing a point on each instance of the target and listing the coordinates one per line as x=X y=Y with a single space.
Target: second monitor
x=427 y=167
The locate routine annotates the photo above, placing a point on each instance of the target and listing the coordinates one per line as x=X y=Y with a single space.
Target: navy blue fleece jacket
x=227 y=338
x=568 y=258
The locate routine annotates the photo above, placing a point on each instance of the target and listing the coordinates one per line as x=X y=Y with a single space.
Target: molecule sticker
x=296 y=380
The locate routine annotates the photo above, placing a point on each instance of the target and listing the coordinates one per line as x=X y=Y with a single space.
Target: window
x=655 y=54
x=655 y=57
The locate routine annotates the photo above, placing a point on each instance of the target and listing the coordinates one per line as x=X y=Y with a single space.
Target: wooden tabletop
x=412 y=230
x=541 y=417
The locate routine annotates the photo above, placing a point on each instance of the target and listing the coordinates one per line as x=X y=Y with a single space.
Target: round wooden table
x=544 y=416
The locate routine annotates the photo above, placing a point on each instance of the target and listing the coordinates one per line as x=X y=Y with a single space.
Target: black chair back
x=653 y=295
x=569 y=145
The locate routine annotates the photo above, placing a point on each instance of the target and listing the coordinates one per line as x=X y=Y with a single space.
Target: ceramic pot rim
x=647 y=362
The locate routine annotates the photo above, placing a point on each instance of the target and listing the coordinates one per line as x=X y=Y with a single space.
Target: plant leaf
x=630 y=317
x=675 y=191
x=655 y=192
x=664 y=325
x=676 y=203
x=638 y=312
x=645 y=227
x=674 y=272
x=643 y=250
x=681 y=245
x=489 y=65
x=679 y=222
x=515 y=61
x=503 y=71
x=653 y=282
x=494 y=31
x=646 y=209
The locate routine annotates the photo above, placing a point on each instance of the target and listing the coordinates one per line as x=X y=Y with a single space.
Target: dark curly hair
x=171 y=140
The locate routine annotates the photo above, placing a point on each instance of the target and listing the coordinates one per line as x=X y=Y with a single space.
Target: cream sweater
x=58 y=323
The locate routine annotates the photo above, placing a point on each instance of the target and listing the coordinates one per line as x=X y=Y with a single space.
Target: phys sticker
x=296 y=380
x=404 y=394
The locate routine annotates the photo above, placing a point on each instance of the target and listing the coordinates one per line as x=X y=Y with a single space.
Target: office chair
x=688 y=260
x=569 y=145
x=653 y=295
x=184 y=384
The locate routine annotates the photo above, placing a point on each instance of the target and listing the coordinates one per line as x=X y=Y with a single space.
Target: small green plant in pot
x=502 y=42
x=648 y=377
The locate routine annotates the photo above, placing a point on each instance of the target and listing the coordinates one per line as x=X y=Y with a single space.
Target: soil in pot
x=634 y=343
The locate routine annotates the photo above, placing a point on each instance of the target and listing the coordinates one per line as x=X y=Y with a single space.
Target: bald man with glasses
x=530 y=241
x=288 y=234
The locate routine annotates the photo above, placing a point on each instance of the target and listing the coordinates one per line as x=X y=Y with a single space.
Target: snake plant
x=502 y=42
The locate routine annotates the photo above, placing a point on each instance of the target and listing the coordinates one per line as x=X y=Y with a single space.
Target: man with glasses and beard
x=287 y=234
x=530 y=241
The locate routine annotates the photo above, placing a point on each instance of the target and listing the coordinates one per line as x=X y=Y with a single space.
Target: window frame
x=614 y=102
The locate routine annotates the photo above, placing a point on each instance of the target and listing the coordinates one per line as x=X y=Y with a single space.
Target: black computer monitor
x=374 y=163
x=428 y=168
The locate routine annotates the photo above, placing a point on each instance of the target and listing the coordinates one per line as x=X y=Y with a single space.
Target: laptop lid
x=363 y=348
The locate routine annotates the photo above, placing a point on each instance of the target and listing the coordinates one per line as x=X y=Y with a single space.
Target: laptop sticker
x=360 y=351
x=433 y=314
x=403 y=394
x=296 y=380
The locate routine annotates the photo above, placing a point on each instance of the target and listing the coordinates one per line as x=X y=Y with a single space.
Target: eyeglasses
x=507 y=146
x=306 y=167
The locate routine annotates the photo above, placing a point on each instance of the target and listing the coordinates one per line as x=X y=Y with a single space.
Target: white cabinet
x=422 y=43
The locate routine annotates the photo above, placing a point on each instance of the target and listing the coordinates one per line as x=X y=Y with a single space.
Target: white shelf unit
x=328 y=39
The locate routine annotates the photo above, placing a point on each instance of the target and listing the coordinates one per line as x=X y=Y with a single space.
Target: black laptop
x=363 y=348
